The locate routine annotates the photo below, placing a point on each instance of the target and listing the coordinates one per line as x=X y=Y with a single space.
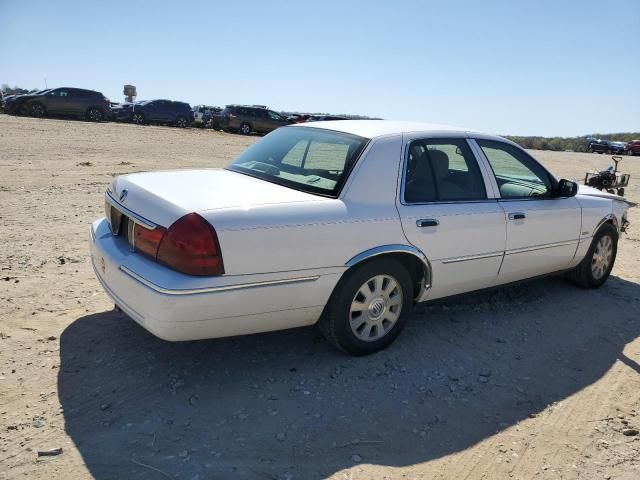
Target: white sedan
x=346 y=224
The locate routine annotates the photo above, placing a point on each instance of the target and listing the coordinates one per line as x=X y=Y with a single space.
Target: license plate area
x=121 y=225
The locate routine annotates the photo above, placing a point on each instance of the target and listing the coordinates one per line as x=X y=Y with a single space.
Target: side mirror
x=566 y=188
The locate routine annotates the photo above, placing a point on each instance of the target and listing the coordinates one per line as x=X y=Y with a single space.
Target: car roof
x=378 y=128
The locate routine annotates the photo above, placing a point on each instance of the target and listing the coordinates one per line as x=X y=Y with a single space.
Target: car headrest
x=440 y=162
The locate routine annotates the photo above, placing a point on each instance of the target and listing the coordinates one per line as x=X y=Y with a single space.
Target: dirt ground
x=535 y=381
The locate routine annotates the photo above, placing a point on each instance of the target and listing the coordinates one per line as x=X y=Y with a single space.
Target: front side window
x=308 y=159
x=441 y=170
x=275 y=116
x=518 y=175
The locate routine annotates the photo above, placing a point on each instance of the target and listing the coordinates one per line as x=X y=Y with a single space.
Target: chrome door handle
x=427 y=222
x=517 y=216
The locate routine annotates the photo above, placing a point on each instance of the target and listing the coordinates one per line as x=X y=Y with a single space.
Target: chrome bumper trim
x=222 y=288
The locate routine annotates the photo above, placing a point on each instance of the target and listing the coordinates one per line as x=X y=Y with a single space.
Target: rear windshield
x=308 y=159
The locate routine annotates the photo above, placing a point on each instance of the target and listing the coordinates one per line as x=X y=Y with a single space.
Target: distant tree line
x=576 y=144
x=7 y=90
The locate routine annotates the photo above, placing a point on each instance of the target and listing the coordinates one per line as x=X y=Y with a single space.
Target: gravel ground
x=539 y=380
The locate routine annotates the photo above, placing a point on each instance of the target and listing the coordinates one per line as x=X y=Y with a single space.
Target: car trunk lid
x=164 y=197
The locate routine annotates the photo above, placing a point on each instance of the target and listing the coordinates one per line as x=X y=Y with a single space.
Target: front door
x=542 y=229
x=448 y=213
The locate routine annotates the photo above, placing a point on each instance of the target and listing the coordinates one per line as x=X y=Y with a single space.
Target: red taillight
x=147 y=241
x=191 y=246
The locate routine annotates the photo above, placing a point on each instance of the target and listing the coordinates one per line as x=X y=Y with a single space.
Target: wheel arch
x=416 y=263
x=609 y=218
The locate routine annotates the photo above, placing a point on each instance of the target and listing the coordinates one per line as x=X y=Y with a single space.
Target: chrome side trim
x=472 y=257
x=222 y=288
x=137 y=218
x=398 y=248
x=542 y=247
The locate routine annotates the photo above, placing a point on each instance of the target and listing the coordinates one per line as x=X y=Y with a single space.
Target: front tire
x=596 y=266
x=182 y=122
x=137 y=118
x=368 y=307
x=37 y=110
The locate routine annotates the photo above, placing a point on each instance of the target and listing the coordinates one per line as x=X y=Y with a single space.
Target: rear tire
x=245 y=129
x=595 y=267
x=369 y=307
x=95 y=115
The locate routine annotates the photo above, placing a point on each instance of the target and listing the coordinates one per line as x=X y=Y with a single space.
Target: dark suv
x=77 y=102
x=250 y=118
x=165 y=112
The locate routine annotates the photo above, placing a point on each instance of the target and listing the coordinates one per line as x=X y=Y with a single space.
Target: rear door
x=58 y=101
x=260 y=120
x=78 y=101
x=542 y=229
x=450 y=213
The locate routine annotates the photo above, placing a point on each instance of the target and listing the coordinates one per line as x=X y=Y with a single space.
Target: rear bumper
x=178 y=307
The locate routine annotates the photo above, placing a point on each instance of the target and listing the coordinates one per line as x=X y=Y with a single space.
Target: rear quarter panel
x=317 y=234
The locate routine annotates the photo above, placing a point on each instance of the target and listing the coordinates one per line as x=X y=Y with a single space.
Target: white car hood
x=594 y=192
x=163 y=197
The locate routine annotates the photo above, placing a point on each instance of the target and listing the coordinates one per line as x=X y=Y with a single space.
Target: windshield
x=308 y=159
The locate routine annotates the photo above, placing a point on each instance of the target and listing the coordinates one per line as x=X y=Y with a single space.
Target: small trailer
x=609 y=179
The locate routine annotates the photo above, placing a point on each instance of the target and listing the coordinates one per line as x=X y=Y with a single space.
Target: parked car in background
x=161 y=112
x=13 y=103
x=347 y=224
x=251 y=118
x=121 y=112
x=325 y=118
x=632 y=148
x=298 y=118
x=617 y=148
x=206 y=116
x=605 y=146
x=77 y=102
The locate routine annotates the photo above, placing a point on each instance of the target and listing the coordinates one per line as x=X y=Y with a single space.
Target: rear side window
x=441 y=170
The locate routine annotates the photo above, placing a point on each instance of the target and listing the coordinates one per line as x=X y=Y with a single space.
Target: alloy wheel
x=95 y=115
x=37 y=110
x=601 y=259
x=375 y=308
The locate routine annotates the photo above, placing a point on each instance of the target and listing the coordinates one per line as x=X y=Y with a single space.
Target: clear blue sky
x=549 y=67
